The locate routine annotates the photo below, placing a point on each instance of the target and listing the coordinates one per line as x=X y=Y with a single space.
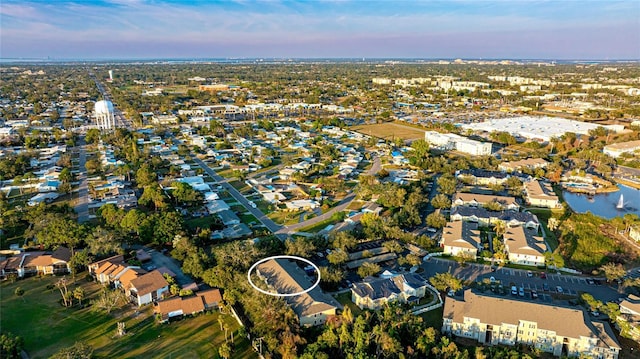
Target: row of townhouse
x=283 y=276
x=522 y=244
x=26 y=264
x=480 y=200
x=375 y=293
x=558 y=330
x=141 y=287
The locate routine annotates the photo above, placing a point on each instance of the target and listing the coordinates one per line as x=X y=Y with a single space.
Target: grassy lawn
x=318 y=226
x=240 y=186
x=433 y=318
x=345 y=300
x=200 y=222
x=284 y=217
x=543 y=216
x=247 y=218
x=390 y=130
x=47 y=327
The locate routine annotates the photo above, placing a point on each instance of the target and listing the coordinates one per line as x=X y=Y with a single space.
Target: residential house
x=180 y=306
x=301 y=204
x=461 y=238
x=553 y=329
x=524 y=246
x=286 y=277
x=481 y=200
x=228 y=218
x=540 y=194
x=32 y=263
x=147 y=288
x=375 y=293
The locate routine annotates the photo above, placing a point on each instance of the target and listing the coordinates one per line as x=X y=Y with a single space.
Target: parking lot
x=571 y=285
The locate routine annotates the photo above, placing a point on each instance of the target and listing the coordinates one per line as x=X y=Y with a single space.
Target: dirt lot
x=390 y=131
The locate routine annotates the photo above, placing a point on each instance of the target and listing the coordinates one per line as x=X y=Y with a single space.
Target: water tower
x=105 y=118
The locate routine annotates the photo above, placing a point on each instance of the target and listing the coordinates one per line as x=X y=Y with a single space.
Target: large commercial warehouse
x=536 y=128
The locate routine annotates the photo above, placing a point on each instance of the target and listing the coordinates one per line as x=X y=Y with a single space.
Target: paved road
x=266 y=221
x=82 y=206
x=476 y=272
x=342 y=205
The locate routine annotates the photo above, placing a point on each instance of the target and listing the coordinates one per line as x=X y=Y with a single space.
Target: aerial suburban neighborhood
x=319 y=179
x=492 y=213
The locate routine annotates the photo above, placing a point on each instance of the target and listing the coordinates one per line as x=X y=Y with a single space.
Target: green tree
x=80 y=350
x=441 y=201
x=300 y=246
x=613 y=271
x=11 y=346
x=368 y=269
x=442 y=281
x=338 y=257
x=436 y=220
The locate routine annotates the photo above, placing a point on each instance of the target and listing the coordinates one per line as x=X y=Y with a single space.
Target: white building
x=451 y=141
x=105 y=118
x=537 y=128
x=616 y=149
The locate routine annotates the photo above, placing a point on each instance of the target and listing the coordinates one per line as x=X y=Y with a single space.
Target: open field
x=390 y=131
x=47 y=326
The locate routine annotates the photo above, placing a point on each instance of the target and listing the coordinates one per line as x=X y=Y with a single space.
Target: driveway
x=160 y=260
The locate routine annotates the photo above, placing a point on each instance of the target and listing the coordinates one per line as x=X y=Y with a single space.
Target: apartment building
x=507 y=321
x=540 y=194
x=460 y=238
x=524 y=246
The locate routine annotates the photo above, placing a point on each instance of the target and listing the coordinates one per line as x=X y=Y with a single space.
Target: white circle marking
x=283 y=257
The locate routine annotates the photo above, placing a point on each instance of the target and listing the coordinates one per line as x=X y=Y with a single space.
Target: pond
x=606 y=204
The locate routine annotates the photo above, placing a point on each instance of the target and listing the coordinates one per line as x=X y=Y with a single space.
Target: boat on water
x=620 y=204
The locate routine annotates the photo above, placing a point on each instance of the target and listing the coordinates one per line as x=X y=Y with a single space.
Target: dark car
x=534 y=294
x=543 y=275
x=545 y=287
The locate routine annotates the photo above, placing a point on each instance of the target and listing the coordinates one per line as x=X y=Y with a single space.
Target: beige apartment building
x=500 y=320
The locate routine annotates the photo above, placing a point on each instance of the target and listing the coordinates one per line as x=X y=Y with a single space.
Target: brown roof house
x=285 y=277
x=31 y=263
x=179 y=306
x=459 y=238
x=147 y=288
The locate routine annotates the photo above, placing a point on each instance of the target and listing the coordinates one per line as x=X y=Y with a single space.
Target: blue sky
x=568 y=29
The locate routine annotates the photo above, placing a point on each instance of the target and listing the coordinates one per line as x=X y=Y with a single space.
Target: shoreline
x=609 y=189
x=627 y=183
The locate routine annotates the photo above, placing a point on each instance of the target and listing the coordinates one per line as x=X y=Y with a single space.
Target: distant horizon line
x=336 y=58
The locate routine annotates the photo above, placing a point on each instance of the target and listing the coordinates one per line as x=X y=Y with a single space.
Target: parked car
x=529 y=274
x=545 y=287
x=543 y=275
x=534 y=294
x=559 y=289
x=590 y=281
x=514 y=290
x=521 y=291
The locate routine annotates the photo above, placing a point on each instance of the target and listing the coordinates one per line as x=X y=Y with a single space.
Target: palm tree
x=225 y=350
